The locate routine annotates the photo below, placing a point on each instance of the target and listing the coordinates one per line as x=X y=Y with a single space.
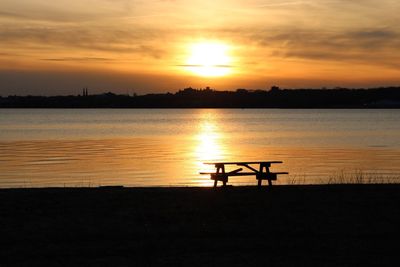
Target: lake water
x=166 y=147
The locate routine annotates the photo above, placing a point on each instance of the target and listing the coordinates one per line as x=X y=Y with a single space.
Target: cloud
x=11 y=15
x=374 y=34
x=64 y=11
x=370 y=46
x=114 y=40
x=80 y=59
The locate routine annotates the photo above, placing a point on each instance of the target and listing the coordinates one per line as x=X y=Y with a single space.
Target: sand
x=344 y=225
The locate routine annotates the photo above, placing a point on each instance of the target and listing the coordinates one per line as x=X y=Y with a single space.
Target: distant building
x=85 y=92
x=274 y=88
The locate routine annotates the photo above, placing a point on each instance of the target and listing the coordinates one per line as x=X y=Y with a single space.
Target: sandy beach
x=343 y=225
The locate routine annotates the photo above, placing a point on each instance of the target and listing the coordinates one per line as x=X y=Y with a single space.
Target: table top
x=242 y=162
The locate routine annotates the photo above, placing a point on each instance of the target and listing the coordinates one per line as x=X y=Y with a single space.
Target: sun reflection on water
x=209 y=146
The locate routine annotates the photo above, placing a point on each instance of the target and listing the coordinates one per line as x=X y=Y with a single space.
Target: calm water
x=150 y=147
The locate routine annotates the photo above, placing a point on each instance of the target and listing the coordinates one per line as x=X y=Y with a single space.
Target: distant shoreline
x=378 y=98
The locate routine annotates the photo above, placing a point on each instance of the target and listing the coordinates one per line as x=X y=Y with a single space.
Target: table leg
x=220 y=169
x=266 y=167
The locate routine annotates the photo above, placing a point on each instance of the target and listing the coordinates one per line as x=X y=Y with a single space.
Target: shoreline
x=264 y=187
x=328 y=225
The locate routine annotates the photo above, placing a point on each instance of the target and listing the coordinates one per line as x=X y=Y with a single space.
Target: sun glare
x=209 y=60
x=208 y=148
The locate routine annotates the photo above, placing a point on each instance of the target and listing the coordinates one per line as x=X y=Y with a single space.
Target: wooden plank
x=243 y=173
x=248 y=167
x=219 y=177
x=269 y=176
x=230 y=174
x=235 y=171
x=242 y=162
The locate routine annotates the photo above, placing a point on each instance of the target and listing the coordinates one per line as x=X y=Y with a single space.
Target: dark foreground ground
x=286 y=226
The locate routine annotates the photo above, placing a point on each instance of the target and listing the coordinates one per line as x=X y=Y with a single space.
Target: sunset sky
x=143 y=46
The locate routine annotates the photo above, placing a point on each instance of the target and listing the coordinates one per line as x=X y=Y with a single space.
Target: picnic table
x=261 y=171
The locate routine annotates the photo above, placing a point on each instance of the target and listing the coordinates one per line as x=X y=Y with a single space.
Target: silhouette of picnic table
x=261 y=171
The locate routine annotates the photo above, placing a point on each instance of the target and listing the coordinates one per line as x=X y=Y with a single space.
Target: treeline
x=208 y=98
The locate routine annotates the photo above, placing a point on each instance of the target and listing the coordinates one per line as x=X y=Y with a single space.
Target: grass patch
x=360 y=177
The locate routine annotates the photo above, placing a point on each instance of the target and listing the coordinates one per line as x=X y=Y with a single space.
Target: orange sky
x=147 y=46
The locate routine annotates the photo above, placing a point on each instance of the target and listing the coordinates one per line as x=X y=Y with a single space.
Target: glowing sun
x=209 y=60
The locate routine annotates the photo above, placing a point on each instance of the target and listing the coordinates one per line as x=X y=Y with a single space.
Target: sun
x=209 y=60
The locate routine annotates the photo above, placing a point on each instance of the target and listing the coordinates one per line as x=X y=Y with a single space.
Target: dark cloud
x=13 y=15
x=360 y=39
x=375 y=34
x=370 y=46
x=93 y=38
x=79 y=59
x=7 y=54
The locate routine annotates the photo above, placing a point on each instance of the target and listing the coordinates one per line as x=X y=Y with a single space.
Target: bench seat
x=263 y=176
x=241 y=173
x=269 y=176
x=231 y=174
